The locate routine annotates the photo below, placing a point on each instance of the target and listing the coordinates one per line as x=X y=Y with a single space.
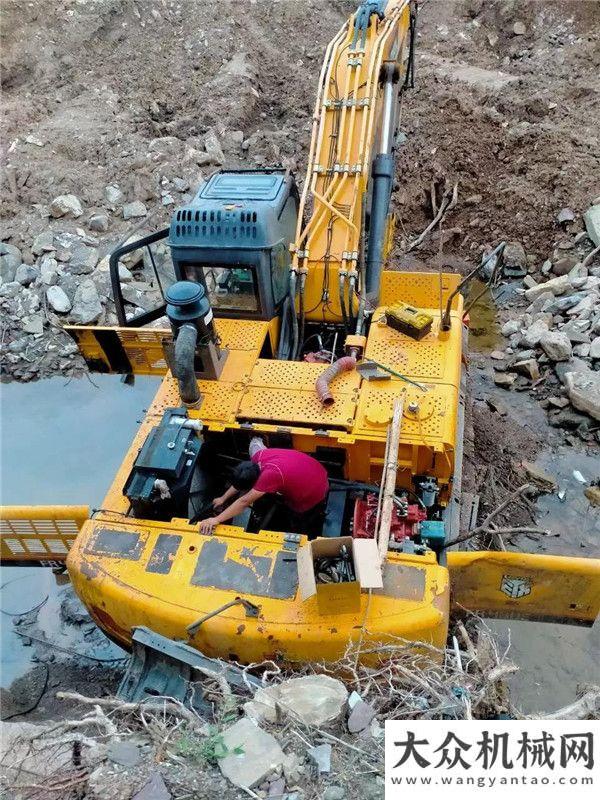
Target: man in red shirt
x=296 y=477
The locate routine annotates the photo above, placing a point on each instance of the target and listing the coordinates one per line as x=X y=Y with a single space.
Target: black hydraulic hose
x=302 y=315
x=361 y=267
x=342 y=283
x=185 y=350
x=283 y=348
x=295 y=332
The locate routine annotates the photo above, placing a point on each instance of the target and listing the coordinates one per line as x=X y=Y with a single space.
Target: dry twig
x=448 y=202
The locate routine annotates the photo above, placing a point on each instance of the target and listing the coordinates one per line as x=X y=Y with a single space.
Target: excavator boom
x=343 y=224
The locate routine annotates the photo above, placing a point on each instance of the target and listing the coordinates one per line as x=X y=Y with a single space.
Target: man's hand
x=218 y=501
x=207 y=526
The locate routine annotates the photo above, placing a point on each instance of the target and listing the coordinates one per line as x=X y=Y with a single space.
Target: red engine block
x=365 y=513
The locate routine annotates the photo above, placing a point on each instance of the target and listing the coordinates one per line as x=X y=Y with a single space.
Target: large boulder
x=213 y=148
x=134 y=210
x=113 y=195
x=533 y=334
x=556 y=345
x=43 y=243
x=10 y=259
x=49 y=270
x=577 y=331
x=99 y=222
x=58 y=300
x=314 y=699
x=557 y=286
x=83 y=260
x=86 y=303
x=252 y=754
x=66 y=205
x=583 y=388
x=26 y=274
x=515 y=257
x=166 y=146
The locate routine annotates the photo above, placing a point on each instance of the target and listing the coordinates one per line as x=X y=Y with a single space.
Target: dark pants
x=271 y=513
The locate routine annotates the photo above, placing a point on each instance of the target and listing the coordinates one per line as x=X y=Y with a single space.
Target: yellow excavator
x=273 y=313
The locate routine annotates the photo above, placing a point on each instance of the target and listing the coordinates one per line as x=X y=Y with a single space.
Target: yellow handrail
x=39 y=533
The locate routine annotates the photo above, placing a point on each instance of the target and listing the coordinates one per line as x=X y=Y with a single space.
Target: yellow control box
x=409 y=320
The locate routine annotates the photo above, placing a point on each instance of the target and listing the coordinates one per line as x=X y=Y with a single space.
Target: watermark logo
x=467 y=758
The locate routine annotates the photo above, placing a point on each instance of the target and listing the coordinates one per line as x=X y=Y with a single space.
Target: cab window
x=230 y=288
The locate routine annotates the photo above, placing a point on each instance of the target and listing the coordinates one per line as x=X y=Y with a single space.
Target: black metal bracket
x=115 y=257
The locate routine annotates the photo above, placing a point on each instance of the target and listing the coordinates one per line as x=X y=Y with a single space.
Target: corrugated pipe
x=344 y=364
x=185 y=350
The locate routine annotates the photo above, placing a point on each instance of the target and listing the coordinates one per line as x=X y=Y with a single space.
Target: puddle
x=484 y=330
x=575 y=520
x=60 y=443
x=552 y=659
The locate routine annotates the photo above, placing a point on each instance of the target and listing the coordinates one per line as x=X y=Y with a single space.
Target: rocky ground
x=259 y=732
x=116 y=111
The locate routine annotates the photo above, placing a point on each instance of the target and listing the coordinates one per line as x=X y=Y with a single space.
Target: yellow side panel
x=136 y=350
x=166 y=576
x=526 y=585
x=242 y=334
x=39 y=533
x=140 y=351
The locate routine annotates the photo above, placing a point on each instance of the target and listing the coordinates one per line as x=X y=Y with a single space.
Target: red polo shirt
x=298 y=477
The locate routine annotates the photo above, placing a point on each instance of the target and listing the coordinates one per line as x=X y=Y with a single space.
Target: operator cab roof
x=242 y=186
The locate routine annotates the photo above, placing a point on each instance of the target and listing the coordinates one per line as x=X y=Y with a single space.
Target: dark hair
x=245 y=475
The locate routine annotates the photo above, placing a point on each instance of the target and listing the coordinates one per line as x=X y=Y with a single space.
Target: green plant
x=207 y=749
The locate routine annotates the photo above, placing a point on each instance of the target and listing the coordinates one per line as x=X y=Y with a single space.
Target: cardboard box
x=339 y=598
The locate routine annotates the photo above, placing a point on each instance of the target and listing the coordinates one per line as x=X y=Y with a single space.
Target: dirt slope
x=87 y=87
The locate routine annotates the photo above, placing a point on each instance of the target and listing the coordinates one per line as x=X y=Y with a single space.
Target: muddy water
x=60 y=443
x=552 y=659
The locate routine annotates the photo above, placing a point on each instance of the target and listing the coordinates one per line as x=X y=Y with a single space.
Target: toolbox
x=411 y=321
x=343 y=597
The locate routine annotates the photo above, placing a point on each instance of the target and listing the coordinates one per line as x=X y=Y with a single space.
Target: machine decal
x=116 y=544
x=515 y=587
x=258 y=576
x=164 y=552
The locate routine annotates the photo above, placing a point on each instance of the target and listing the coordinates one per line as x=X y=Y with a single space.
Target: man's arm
x=220 y=501
x=241 y=504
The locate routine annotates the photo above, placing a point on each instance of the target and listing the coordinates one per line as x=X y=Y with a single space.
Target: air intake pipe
x=344 y=364
x=190 y=315
x=185 y=352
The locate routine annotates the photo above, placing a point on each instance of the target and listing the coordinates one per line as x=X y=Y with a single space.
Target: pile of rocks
x=555 y=342
x=57 y=272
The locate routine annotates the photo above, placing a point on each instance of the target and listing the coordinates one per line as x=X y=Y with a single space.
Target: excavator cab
x=233 y=238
